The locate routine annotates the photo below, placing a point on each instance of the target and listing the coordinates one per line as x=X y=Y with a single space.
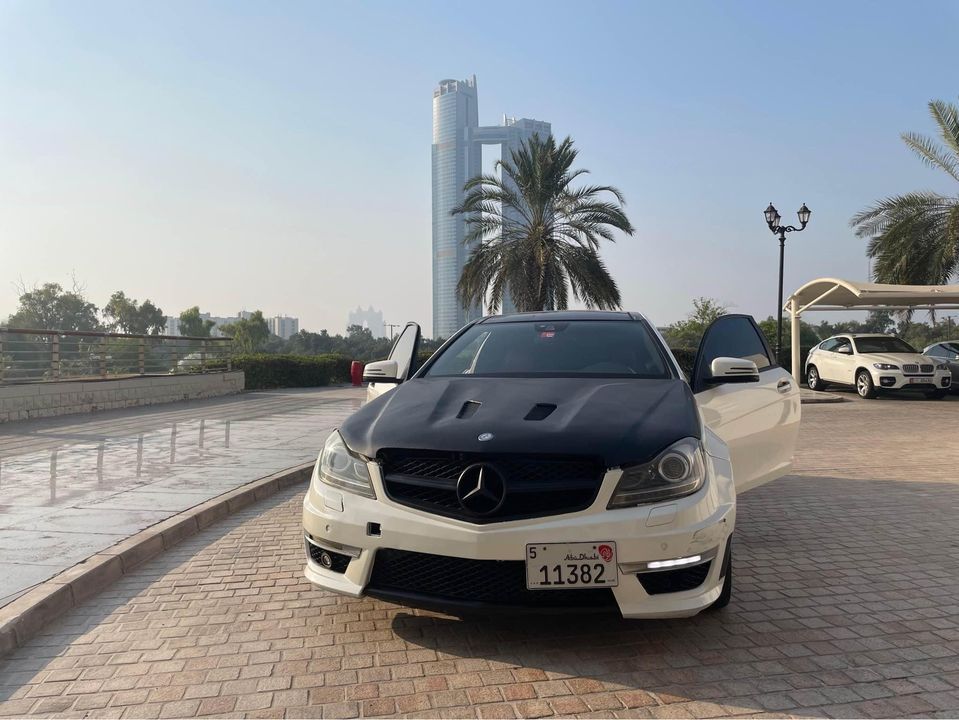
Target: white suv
x=874 y=363
x=548 y=461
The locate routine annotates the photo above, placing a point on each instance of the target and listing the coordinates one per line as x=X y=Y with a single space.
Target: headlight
x=942 y=366
x=885 y=366
x=341 y=468
x=677 y=471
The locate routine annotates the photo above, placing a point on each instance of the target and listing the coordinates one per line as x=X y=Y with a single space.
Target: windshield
x=883 y=345
x=575 y=348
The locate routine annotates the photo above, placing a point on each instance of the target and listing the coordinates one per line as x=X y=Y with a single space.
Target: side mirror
x=732 y=370
x=383 y=371
x=844 y=350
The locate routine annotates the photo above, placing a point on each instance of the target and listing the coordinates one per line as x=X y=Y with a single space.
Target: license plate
x=569 y=566
x=917 y=381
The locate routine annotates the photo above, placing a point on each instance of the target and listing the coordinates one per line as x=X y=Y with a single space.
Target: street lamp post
x=772 y=220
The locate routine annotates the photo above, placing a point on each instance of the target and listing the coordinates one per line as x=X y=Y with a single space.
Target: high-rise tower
x=458 y=143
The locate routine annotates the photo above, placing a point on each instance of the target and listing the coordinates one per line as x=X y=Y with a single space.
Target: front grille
x=925 y=368
x=670 y=581
x=913 y=369
x=535 y=486
x=339 y=561
x=460 y=580
x=910 y=368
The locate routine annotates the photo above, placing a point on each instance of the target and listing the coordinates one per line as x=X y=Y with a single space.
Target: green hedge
x=282 y=371
x=685 y=357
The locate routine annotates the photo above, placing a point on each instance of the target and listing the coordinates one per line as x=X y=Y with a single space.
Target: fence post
x=203 y=356
x=103 y=356
x=55 y=357
x=229 y=355
x=3 y=363
x=141 y=355
x=173 y=358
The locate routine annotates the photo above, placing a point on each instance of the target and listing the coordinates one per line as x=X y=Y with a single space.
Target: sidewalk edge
x=31 y=612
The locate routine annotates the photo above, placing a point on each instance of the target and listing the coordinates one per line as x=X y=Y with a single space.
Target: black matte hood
x=620 y=421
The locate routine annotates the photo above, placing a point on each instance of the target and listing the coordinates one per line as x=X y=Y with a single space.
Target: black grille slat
x=670 y=581
x=536 y=486
x=926 y=368
x=492 y=582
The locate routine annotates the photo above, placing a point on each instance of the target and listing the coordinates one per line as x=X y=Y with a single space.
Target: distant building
x=370 y=319
x=284 y=327
x=278 y=325
x=457 y=152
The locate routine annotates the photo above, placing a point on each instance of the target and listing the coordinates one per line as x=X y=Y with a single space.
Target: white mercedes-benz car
x=874 y=364
x=551 y=461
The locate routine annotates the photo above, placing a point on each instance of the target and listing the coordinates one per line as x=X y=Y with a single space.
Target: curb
x=31 y=612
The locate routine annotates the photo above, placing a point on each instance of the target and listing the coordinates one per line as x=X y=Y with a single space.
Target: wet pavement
x=71 y=487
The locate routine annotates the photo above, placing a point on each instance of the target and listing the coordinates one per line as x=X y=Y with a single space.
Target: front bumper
x=896 y=380
x=354 y=530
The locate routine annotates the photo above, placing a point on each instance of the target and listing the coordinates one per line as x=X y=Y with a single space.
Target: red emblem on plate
x=606 y=552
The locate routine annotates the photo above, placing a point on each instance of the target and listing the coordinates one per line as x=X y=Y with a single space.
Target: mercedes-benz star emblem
x=481 y=489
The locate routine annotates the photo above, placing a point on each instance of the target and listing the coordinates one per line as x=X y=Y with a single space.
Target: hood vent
x=540 y=411
x=468 y=410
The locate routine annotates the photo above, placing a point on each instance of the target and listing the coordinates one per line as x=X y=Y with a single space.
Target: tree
x=536 y=236
x=192 y=325
x=50 y=307
x=807 y=334
x=249 y=334
x=914 y=238
x=687 y=333
x=127 y=315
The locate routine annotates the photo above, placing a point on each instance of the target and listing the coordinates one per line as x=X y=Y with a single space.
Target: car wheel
x=864 y=385
x=935 y=395
x=727 y=593
x=813 y=380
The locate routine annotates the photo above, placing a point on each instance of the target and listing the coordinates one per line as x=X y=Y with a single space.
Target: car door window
x=829 y=345
x=843 y=346
x=734 y=336
x=404 y=351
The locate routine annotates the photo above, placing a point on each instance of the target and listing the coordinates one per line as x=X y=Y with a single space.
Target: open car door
x=401 y=363
x=758 y=420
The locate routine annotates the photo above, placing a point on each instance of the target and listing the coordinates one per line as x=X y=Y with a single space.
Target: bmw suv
x=874 y=364
x=551 y=461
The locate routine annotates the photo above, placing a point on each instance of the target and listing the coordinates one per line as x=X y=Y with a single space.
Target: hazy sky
x=276 y=155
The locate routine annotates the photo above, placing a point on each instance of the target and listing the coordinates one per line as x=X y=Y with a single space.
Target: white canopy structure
x=836 y=294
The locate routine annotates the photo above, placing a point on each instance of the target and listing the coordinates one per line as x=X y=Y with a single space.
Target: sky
x=276 y=155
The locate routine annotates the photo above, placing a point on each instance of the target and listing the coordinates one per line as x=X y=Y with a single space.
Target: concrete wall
x=36 y=400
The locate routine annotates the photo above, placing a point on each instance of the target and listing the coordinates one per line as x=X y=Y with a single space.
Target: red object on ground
x=356 y=373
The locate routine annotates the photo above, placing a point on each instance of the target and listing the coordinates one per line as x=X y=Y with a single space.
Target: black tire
x=865 y=386
x=813 y=380
x=727 y=593
x=935 y=395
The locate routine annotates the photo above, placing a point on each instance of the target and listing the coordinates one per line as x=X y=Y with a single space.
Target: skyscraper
x=457 y=152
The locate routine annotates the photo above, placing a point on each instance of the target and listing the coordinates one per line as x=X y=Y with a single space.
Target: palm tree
x=914 y=238
x=535 y=236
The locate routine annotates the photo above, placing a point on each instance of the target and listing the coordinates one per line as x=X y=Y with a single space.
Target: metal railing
x=31 y=356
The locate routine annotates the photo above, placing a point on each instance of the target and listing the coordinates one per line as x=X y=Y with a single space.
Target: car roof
x=561 y=316
x=863 y=335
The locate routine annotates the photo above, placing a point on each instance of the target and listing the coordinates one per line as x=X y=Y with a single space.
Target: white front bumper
x=698 y=524
x=896 y=380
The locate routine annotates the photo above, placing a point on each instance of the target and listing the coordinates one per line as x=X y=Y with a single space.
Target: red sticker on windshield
x=548 y=334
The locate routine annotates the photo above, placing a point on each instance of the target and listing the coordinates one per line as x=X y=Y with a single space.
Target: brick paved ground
x=845 y=605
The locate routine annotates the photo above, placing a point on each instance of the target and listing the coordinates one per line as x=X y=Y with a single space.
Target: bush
x=284 y=371
x=685 y=357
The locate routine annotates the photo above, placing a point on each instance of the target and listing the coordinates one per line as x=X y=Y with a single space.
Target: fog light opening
x=326 y=560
